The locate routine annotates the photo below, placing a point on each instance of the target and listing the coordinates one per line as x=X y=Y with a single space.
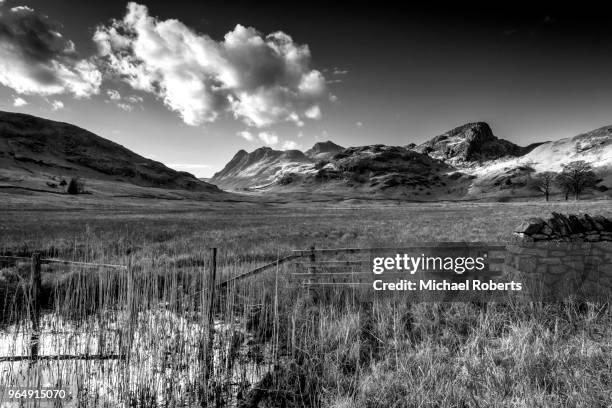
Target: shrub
x=286 y=179
x=75 y=186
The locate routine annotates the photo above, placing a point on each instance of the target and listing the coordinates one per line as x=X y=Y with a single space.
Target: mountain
x=468 y=162
x=594 y=147
x=37 y=154
x=472 y=142
x=514 y=173
x=379 y=171
x=265 y=166
x=374 y=169
x=323 y=150
x=260 y=168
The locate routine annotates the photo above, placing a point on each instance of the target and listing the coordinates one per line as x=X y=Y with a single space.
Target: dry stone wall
x=562 y=256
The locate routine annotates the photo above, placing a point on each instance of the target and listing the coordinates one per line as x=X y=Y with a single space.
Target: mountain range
x=468 y=162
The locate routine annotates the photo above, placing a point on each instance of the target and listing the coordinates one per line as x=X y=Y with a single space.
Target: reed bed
x=141 y=336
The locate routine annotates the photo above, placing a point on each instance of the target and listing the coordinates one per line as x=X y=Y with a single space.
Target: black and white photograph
x=325 y=204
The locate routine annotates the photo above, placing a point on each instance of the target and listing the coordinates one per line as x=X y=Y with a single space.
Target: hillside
x=378 y=171
x=513 y=174
x=37 y=154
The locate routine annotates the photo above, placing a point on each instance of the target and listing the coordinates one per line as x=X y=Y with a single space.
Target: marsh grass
x=339 y=348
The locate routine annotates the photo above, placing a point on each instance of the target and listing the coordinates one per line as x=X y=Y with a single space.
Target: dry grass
x=348 y=351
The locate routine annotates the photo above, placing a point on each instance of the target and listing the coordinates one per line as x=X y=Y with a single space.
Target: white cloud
x=135 y=99
x=125 y=106
x=113 y=95
x=261 y=80
x=296 y=119
x=129 y=103
x=36 y=59
x=18 y=102
x=313 y=112
x=359 y=124
x=246 y=135
x=57 y=105
x=338 y=71
x=290 y=145
x=269 y=138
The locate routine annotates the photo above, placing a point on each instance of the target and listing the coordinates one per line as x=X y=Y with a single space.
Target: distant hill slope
x=37 y=153
x=594 y=147
x=468 y=162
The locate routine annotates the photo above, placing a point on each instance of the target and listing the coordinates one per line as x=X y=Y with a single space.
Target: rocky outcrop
x=323 y=150
x=471 y=142
x=563 y=228
x=380 y=159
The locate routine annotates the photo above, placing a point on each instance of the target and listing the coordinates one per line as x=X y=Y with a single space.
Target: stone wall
x=563 y=228
x=562 y=256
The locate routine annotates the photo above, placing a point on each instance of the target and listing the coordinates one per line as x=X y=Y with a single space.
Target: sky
x=190 y=83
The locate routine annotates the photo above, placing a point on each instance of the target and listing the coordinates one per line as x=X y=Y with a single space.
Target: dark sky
x=533 y=71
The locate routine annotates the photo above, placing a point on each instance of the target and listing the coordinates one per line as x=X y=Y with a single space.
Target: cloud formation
x=124 y=103
x=113 y=94
x=246 y=135
x=261 y=80
x=35 y=58
x=57 y=105
x=268 y=138
x=19 y=102
x=125 y=106
x=290 y=145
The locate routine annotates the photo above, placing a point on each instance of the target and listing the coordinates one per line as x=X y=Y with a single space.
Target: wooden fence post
x=312 y=258
x=211 y=321
x=35 y=289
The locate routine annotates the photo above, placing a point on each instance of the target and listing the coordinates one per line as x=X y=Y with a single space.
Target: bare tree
x=543 y=182
x=576 y=177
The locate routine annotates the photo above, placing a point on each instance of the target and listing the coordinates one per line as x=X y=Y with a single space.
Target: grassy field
x=346 y=351
x=266 y=229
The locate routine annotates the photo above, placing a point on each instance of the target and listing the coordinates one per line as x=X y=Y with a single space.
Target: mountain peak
x=260 y=167
x=323 y=150
x=471 y=142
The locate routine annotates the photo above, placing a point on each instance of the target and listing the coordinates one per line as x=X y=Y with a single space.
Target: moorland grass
x=350 y=350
